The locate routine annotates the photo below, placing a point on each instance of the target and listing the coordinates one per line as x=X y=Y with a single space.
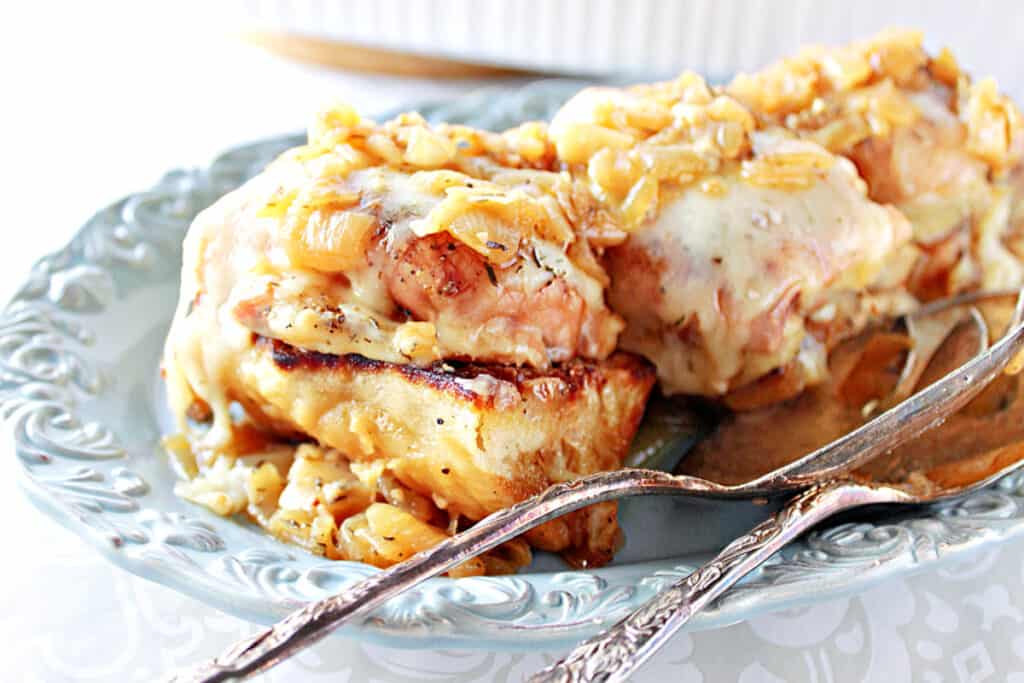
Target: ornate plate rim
x=51 y=385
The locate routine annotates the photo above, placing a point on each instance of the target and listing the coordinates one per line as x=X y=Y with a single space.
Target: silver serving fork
x=896 y=425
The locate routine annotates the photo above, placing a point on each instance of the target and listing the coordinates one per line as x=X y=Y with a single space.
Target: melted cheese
x=731 y=279
x=475 y=262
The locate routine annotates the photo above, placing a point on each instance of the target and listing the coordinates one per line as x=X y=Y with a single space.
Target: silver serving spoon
x=893 y=427
x=616 y=653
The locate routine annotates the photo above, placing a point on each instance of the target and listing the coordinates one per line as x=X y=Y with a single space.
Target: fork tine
x=908 y=419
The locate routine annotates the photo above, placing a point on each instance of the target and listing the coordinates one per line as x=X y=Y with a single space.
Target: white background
x=99 y=100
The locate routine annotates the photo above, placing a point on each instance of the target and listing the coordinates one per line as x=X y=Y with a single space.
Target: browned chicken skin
x=751 y=244
x=744 y=249
x=925 y=137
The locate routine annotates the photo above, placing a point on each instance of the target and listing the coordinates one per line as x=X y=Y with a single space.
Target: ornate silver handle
x=615 y=654
x=311 y=623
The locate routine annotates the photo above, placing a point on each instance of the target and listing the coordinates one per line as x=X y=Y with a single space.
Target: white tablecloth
x=101 y=104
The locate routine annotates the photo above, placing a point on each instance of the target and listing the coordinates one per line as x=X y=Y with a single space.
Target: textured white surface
x=95 y=109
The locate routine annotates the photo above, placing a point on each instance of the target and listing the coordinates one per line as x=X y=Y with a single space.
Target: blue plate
x=80 y=391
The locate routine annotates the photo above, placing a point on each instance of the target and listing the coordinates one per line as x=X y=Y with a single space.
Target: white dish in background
x=642 y=37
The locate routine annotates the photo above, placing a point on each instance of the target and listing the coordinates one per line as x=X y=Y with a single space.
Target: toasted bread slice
x=474 y=439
